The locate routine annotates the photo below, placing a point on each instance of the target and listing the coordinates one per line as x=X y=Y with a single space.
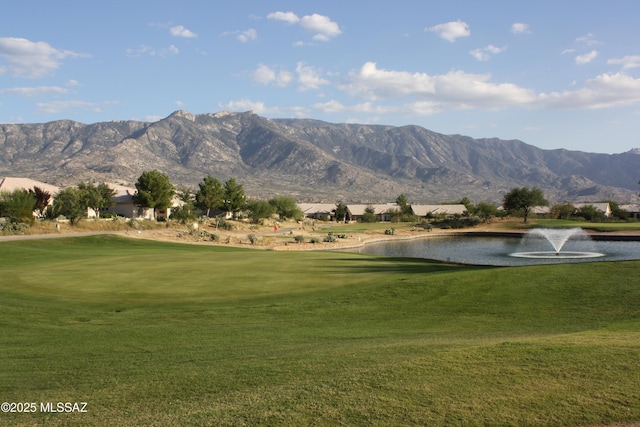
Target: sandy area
x=265 y=237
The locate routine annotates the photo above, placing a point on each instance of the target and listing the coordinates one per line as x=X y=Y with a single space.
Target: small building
x=605 y=208
x=320 y=211
x=384 y=212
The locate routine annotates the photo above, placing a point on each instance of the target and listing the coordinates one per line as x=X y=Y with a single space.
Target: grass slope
x=153 y=333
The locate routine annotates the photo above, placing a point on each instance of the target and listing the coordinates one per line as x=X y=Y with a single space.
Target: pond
x=498 y=250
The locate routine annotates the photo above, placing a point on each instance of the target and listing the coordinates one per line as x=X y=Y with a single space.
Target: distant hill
x=312 y=160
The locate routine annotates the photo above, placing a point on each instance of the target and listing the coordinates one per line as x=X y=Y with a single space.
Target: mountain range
x=312 y=160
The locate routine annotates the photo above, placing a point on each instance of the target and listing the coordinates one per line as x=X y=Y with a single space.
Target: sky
x=554 y=74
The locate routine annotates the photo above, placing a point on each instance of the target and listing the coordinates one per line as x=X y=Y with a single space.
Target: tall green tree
x=154 y=191
x=403 y=202
x=286 y=208
x=210 y=194
x=521 y=200
x=98 y=197
x=341 y=212
x=70 y=203
x=18 y=205
x=260 y=209
x=234 y=198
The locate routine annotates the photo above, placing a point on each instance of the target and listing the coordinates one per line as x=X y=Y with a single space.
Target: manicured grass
x=153 y=333
x=596 y=226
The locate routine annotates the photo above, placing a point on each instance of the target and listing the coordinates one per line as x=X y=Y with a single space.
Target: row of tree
x=155 y=191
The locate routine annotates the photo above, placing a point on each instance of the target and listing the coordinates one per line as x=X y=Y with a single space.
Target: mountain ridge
x=311 y=159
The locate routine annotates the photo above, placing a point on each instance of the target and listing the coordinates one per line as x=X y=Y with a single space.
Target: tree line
x=155 y=191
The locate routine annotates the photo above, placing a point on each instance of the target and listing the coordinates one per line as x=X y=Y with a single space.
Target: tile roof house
x=382 y=211
x=323 y=211
x=432 y=210
x=9 y=184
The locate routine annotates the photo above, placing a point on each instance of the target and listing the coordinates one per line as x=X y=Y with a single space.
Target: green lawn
x=151 y=333
x=597 y=226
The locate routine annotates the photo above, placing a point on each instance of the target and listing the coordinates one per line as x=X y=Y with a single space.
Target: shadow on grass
x=403 y=265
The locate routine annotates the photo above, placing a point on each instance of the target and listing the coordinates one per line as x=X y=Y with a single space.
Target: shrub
x=298 y=239
x=253 y=239
x=330 y=238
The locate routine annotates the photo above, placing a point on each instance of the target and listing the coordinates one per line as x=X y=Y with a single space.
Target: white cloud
x=55 y=107
x=181 y=31
x=25 y=58
x=35 y=91
x=587 y=40
x=604 y=91
x=454 y=90
x=309 y=77
x=248 y=35
x=586 y=58
x=322 y=26
x=451 y=30
x=288 y=17
x=145 y=50
x=628 y=61
x=483 y=54
x=520 y=28
x=266 y=75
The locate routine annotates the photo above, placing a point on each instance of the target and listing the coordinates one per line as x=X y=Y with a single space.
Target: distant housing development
x=124 y=205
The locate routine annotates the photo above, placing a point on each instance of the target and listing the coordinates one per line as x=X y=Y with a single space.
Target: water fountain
x=557 y=238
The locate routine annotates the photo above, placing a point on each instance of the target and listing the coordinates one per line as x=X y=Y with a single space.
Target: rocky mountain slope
x=312 y=160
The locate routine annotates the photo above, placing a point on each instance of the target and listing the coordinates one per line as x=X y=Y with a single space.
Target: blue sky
x=554 y=74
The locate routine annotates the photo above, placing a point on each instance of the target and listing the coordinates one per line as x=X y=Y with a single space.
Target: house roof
x=424 y=210
x=379 y=209
x=125 y=194
x=10 y=184
x=631 y=207
x=317 y=208
x=603 y=207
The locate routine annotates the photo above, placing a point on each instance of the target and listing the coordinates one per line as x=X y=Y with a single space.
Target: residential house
x=124 y=205
x=10 y=184
x=425 y=211
x=321 y=211
x=633 y=209
x=382 y=211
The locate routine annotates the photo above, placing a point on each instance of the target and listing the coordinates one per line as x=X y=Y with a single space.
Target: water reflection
x=494 y=250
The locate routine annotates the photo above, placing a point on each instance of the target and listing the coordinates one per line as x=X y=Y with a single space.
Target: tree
x=186 y=212
x=96 y=197
x=71 y=204
x=234 y=199
x=42 y=199
x=590 y=213
x=210 y=195
x=286 y=207
x=523 y=199
x=562 y=211
x=153 y=190
x=341 y=212
x=260 y=209
x=18 y=205
x=369 y=214
x=485 y=210
x=405 y=207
